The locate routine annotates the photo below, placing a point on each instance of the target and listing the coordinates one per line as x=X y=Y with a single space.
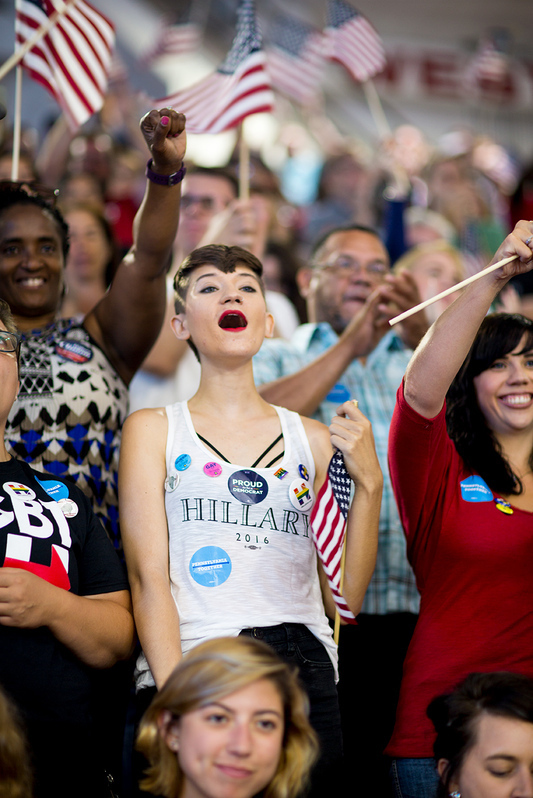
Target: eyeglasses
x=205 y=203
x=32 y=188
x=344 y=264
x=9 y=342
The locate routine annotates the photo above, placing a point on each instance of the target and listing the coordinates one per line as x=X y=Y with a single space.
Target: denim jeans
x=298 y=646
x=414 y=778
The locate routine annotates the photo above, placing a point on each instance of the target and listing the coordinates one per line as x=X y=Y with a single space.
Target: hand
x=399 y=293
x=351 y=433
x=366 y=328
x=515 y=244
x=164 y=133
x=236 y=225
x=24 y=599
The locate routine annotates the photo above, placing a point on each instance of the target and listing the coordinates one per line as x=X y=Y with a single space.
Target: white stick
x=17 y=124
x=451 y=290
x=19 y=54
x=244 y=166
x=376 y=109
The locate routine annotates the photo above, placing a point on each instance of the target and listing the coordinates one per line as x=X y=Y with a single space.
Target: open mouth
x=232 y=320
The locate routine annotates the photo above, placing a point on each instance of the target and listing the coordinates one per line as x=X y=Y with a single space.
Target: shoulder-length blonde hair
x=209 y=672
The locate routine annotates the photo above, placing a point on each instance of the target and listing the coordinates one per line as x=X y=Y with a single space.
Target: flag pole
x=337 y=626
x=376 y=108
x=17 y=124
x=19 y=54
x=244 y=166
x=451 y=290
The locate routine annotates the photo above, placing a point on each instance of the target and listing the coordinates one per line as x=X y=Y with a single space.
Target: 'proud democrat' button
x=248 y=486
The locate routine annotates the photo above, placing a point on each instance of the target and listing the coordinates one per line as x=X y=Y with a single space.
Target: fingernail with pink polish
x=165 y=120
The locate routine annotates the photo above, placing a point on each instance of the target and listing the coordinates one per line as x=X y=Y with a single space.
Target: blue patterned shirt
x=374 y=385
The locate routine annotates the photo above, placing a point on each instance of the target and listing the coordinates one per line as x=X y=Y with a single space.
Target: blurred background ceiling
x=428 y=43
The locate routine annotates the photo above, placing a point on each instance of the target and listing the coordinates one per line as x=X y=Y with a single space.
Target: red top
x=473 y=564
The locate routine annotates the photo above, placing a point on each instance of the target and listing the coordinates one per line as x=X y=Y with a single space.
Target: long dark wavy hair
x=499 y=334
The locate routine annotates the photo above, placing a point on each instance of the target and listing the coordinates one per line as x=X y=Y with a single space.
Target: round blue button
x=210 y=566
x=182 y=462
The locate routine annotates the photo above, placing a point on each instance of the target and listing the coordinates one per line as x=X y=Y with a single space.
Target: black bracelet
x=164 y=180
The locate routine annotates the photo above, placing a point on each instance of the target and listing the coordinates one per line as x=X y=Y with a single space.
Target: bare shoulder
x=149 y=419
x=318 y=436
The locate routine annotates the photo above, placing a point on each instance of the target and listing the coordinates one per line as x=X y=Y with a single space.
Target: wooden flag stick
x=244 y=167
x=17 y=124
x=19 y=54
x=376 y=109
x=451 y=290
x=337 y=626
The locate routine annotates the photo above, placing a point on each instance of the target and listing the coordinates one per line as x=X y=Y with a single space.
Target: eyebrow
x=232 y=712
x=218 y=271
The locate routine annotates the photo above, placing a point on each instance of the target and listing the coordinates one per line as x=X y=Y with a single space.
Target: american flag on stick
x=353 y=42
x=295 y=59
x=328 y=527
x=239 y=87
x=72 y=60
x=171 y=39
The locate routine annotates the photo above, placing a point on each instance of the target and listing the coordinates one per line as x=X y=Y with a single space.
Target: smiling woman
x=461 y=459
x=74 y=372
x=230 y=721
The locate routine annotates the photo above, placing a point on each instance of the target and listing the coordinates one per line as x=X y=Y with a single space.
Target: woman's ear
x=168 y=726
x=269 y=325
x=442 y=767
x=179 y=326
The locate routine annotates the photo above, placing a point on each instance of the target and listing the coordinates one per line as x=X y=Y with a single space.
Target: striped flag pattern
x=353 y=42
x=73 y=59
x=295 y=59
x=328 y=527
x=238 y=88
x=173 y=40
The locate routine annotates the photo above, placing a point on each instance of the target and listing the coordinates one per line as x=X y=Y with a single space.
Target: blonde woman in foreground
x=230 y=721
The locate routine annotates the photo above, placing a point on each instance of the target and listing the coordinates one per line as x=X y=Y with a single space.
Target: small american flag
x=490 y=64
x=238 y=88
x=353 y=42
x=73 y=59
x=173 y=40
x=328 y=527
x=295 y=59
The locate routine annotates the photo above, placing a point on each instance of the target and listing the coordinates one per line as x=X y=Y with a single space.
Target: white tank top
x=240 y=546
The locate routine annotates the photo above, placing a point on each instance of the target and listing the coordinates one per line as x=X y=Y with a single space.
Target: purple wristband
x=164 y=180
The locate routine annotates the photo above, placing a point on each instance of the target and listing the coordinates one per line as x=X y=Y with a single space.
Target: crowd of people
x=178 y=368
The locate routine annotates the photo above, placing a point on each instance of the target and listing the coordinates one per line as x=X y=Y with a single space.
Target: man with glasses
x=348 y=351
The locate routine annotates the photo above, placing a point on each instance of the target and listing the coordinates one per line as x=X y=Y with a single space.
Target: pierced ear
x=179 y=326
x=303 y=280
x=168 y=726
x=442 y=767
x=269 y=325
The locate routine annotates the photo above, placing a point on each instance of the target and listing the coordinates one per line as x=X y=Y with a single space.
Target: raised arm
x=126 y=322
x=446 y=344
x=143 y=522
x=351 y=433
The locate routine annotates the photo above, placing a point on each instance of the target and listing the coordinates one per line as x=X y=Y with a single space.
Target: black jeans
x=297 y=646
